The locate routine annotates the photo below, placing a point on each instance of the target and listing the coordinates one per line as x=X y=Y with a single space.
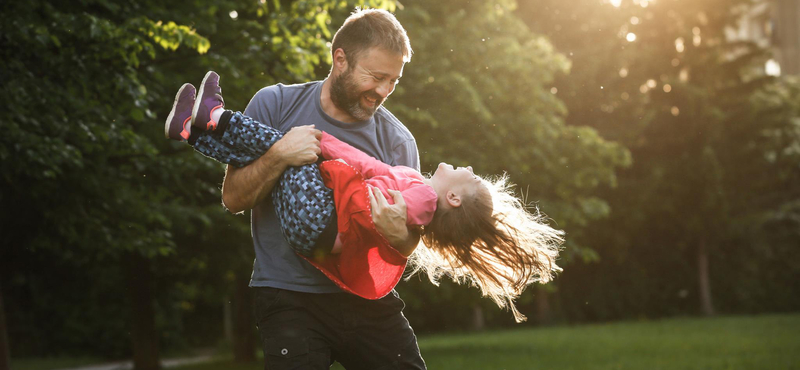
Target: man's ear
x=340 y=60
x=453 y=199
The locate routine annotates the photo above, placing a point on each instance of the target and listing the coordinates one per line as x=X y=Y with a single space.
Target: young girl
x=474 y=230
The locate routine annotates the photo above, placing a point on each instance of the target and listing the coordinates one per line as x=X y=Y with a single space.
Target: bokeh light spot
x=772 y=68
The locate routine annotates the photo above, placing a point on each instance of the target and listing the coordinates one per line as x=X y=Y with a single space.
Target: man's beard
x=346 y=96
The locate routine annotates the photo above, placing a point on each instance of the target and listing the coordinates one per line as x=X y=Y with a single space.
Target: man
x=304 y=320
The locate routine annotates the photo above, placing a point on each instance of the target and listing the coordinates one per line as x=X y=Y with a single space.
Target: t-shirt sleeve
x=265 y=106
x=406 y=154
x=333 y=148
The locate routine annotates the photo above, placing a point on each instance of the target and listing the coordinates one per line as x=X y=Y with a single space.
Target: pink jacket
x=367 y=265
x=420 y=198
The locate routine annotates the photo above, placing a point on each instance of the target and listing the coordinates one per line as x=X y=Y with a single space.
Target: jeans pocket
x=286 y=353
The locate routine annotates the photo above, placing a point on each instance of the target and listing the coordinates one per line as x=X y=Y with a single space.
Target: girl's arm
x=333 y=148
x=420 y=203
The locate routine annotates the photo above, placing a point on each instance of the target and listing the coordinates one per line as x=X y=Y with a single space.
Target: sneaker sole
x=199 y=97
x=174 y=109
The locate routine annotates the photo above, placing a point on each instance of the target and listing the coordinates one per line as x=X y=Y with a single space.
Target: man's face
x=364 y=86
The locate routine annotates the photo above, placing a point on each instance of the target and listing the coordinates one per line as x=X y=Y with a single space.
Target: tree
x=93 y=183
x=5 y=358
x=663 y=78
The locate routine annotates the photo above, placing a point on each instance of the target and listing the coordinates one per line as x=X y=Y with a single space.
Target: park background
x=662 y=135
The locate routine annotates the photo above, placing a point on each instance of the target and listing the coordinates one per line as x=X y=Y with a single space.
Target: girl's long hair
x=493 y=241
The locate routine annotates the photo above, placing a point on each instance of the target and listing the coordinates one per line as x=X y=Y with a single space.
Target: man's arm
x=390 y=220
x=245 y=187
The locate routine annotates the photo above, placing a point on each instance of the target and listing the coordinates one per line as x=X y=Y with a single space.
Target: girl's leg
x=305 y=208
x=304 y=205
x=238 y=140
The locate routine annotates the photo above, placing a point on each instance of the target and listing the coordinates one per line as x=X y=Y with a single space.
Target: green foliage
x=703 y=125
x=478 y=92
x=88 y=179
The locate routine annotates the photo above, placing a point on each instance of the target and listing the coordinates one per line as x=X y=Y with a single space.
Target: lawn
x=726 y=343
x=765 y=342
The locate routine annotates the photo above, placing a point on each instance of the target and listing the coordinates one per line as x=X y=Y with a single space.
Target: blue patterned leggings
x=303 y=204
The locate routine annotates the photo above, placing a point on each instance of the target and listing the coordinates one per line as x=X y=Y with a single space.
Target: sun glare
x=616 y=3
x=631 y=37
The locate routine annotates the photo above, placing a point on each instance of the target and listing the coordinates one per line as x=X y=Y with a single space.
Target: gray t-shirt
x=383 y=136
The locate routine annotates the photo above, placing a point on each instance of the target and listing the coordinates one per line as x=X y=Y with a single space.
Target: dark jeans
x=310 y=331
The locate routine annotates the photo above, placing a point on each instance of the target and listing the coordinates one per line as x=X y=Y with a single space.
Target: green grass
x=727 y=343
x=766 y=342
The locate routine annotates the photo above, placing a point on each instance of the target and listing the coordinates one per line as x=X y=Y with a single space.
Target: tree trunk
x=543 y=312
x=706 y=305
x=144 y=336
x=244 y=340
x=227 y=319
x=478 y=321
x=5 y=358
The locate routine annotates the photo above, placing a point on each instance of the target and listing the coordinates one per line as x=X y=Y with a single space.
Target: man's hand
x=244 y=187
x=299 y=146
x=390 y=220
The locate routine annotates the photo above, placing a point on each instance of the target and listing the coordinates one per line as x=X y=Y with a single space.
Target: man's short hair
x=367 y=28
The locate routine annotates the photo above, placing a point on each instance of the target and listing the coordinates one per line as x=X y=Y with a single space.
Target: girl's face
x=452 y=184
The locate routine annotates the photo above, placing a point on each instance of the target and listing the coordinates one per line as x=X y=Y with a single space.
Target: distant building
x=786 y=35
x=774 y=24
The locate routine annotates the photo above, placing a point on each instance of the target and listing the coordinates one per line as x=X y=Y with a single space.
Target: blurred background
x=662 y=135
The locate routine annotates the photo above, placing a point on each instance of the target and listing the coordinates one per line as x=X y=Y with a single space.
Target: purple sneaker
x=209 y=99
x=176 y=127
